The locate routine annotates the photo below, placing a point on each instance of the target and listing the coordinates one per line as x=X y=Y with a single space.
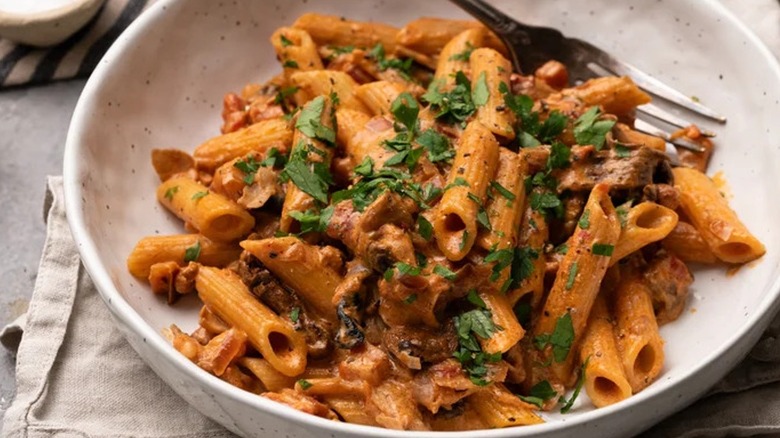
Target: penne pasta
x=505 y=203
x=429 y=35
x=160 y=249
x=272 y=336
x=500 y=408
x=452 y=60
x=488 y=71
x=315 y=83
x=645 y=223
x=719 y=226
x=214 y=215
x=616 y=95
x=330 y=30
x=503 y=316
x=686 y=242
x=295 y=50
x=455 y=224
x=260 y=138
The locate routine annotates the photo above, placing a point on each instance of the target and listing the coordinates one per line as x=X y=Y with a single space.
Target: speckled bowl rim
x=125 y=314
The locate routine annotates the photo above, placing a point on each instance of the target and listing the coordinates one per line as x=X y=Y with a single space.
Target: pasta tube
x=455 y=223
x=719 y=226
x=640 y=345
x=451 y=59
x=295 y=50
x=302 y=266
x=686 y=242
x=260 y=138
x=504 y=317
x=225 y=294
x=605 y=381
x=159 y=249
x=324 y=82
x=488 y=71
x=578 y=280
x=498 y=407
x=505 y=205
x=646 y=223
x=330 y=30
x=214 y=215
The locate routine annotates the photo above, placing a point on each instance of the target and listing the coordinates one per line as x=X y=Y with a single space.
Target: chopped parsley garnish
x=170 y=192
x=200 y=195
x=310 y=121
x=567 y=404
x=437 y=145
x=464 y=55
x=471 y=326
x=483 y=220
x=533 y=133
x=305 y=384
x=421 y=260
x=547 y=203
x=572 y=276
x=443 y=271
x=561 y=338
x=192 y=253
x=563 y=248
x=424 y=227
x=480 y=93
x=285 y=41
x=370 y=187
x=402 y=66
x=290 y=64
x=602 y=249
x=282 y=95
x=474 y=298
x=313 y=221
x=313 y=178
x=407 y=269
x=589 y=130
x=464 y=240
x=365 y=168
x=405 y=110
x=622 y=151
x=430 y=192
x=410 y=299
x=295 y=314
x=584 y=222
x=502 y=190
x=458 y=181
x=540 y=393
x=274 y=159
x=249 y=166
x=559 y=156
x=519 y=260
x=456 y=103
x=622 y=213
x=340 y=50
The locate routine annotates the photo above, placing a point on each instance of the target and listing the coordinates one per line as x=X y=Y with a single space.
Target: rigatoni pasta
x=400 y=231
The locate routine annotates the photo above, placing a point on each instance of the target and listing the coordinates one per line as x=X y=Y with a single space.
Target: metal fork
x=532 y=46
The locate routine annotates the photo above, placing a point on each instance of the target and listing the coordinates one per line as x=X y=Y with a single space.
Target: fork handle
x=491 y=17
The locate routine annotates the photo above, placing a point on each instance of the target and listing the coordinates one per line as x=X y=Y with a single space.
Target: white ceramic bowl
x=161 y=85
x=42 y=27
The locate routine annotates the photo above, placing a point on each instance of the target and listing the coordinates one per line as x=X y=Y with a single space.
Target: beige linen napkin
x=76 y=376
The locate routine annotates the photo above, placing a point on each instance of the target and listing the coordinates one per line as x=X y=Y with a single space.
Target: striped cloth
x=75 y=57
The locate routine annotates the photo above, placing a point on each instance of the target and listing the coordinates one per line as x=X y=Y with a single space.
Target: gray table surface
x=33 y=124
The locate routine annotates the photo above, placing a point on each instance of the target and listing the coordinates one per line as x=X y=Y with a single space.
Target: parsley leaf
x=475 y=299
x=200 y=195
x=455 y=104
x=572 y=275
x=282 y=95
x=533 y=131
x=285 y=42
x=561 y=338
x=469 y=326
x=170 y=192
x=443 y=271
x=502 y=190
x=547 y=203
x=519 y=260
x=290 y=64
x=588 y=130
x=305 y=384
x=407 y=269
x=274 y=159
x=603 y=249
x=563 y=248
x=312 y=221
x=310 y=123
x=424 y=227
x=580 y=382
x=313 y=178
x=295 y=314
x=458 y=181
x=559 y=156
x=365 y=168
x=402 y=66
x=405 y=110
x=622 y=151
x=464 y=55
x=622 y=214
x=540 y=393
x=480 y=93
x=584 y=222
x=249 y=166
x=437 y=145
x=192 y=253
x=410 y=299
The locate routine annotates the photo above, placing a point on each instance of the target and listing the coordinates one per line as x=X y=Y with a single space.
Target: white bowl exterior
x=164 y=88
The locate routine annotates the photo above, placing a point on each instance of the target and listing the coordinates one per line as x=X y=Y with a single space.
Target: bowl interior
x=164 y=89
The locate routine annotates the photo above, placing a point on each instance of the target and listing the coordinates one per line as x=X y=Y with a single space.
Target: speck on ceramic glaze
x=174 y=100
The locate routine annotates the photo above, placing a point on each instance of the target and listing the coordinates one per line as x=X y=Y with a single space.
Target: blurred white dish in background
x=44 y=23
